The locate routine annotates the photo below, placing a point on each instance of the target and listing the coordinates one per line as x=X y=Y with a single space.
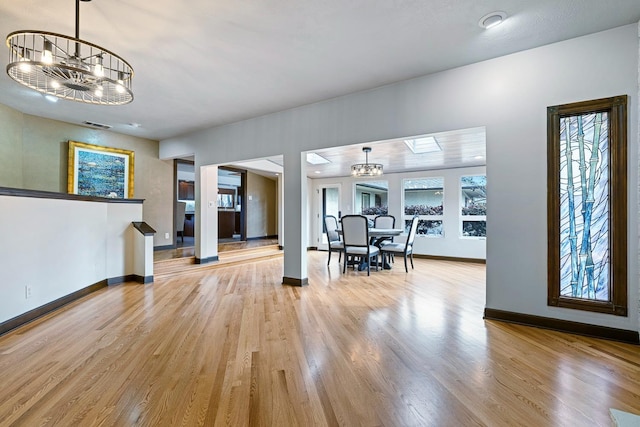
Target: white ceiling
x=460 y=148
x=208 y=62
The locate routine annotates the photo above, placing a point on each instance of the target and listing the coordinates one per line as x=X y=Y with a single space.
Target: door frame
x=242 y=193
x=174 y=244
x=319 y=234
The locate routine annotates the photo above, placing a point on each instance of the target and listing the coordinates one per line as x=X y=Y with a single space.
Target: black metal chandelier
x=366 y=168
x=68 y=67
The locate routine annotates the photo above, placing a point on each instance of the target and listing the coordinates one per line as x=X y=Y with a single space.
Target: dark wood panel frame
x=242 y=192
x=175 y=196
x=39 y=194
x=616 y=107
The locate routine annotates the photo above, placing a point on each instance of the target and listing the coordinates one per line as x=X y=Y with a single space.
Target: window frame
x=469 y=218
x=408 y=217
x=372 y=193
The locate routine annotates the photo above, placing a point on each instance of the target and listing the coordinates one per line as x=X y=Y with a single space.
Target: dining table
x=376 y=237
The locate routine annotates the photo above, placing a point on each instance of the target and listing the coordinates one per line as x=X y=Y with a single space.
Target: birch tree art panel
x=584 y=207
x=587 y=205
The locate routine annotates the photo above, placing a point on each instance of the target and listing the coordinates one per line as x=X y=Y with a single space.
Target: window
x=372 y=198
x=473 y=202
x=424 y=197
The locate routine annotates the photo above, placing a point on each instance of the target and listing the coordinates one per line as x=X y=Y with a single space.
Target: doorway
x=328 y=204
x=232 y=188
x=184 y=203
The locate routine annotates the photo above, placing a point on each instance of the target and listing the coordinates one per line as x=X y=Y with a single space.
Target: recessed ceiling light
x=492 y=19
x=317 y=172
x=316 y=159
x=479 y=157
x=425 y=144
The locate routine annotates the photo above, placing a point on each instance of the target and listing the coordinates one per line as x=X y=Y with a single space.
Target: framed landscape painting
x=100 y=171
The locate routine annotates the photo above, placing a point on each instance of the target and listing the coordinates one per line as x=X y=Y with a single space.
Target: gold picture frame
x=95 y=170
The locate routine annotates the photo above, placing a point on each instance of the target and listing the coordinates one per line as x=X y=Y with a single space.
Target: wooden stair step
x=187 y=265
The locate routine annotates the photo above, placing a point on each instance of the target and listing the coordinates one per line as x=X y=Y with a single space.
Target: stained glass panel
x=587 y=205
x=584 y=206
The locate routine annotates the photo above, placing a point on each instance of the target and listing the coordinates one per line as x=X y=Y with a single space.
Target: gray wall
x=33 y=155
x=11 y=147
x=261 y=208
x=507 y=95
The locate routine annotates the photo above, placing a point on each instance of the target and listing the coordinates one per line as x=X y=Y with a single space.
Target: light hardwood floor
x=189 y=251
x=232 y=346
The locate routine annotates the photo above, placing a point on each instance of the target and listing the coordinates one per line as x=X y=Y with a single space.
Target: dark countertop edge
x=20 y=192
x=144 y=228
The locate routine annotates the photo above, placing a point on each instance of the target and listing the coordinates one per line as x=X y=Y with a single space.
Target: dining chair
x=333 y=237
x=355 y=237
x=406 y=248
x=384 y=221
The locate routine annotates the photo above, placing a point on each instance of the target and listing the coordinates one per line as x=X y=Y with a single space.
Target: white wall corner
x=637 y=106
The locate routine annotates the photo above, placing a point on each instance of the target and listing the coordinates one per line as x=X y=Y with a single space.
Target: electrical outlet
x=27 y=291
x=166 y=235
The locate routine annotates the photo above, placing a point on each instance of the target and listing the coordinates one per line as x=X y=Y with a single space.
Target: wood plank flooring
x=187 y=265
x=189 y=251
x=232 y=346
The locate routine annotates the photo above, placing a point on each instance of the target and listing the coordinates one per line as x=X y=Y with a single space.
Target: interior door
x=328 y=204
